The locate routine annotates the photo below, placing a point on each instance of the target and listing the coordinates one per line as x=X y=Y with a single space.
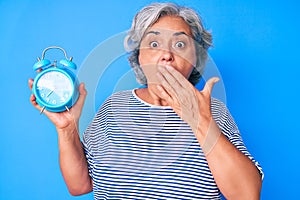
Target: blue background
x=256 y=49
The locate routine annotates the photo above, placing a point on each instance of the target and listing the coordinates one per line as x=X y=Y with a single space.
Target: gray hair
x=148 y=16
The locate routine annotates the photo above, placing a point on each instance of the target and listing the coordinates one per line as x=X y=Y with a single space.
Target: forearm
x=73 y=162
x=235 y=174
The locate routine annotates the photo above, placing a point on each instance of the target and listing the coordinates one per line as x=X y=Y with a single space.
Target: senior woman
x=164 y=141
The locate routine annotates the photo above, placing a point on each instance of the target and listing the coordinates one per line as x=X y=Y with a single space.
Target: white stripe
x=139 y=151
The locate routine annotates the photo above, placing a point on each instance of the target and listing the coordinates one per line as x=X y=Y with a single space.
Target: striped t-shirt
x=140 y=151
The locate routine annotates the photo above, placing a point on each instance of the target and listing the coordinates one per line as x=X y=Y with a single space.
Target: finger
x=177 y=75
x=180 y=85
x=33 y=98
x=34 y=103
x=157 y=102
x=82 y=94
x=182 y=89
x=82 y=97
x=164 y=95
x=209 y=84
x=167 y=87
x=30 y=83
x=173 y=82
x=173 y=102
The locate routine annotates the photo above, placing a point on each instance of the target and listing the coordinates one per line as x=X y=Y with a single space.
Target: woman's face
x=167 y=42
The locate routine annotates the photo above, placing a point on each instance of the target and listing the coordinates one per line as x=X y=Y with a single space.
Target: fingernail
x=160 y=68
x=159 y=88
x=216 y=79
x=169 y=67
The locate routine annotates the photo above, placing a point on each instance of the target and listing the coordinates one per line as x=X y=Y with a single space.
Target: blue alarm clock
x=56 y=86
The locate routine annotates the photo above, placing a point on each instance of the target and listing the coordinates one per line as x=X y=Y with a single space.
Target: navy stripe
x=140 y=151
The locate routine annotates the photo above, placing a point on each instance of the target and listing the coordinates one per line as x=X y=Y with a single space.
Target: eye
x=180 y=44
x=153 y=44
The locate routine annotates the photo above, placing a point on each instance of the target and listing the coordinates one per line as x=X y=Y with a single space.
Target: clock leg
x=42 y=110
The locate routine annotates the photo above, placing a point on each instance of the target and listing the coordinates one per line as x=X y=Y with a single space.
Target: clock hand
x=50 y=92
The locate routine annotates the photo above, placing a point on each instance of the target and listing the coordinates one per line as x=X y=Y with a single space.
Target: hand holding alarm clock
x=56 y=86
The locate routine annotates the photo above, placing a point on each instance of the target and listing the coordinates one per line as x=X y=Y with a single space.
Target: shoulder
x=112 y=102
x=124 y=93
x=117 y=98
x=223 y=117
x=218 y=108
x=120 y=95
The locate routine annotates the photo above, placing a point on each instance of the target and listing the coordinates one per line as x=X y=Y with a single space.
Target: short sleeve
x=89 y=157
x=92 y=136
x=229 y=128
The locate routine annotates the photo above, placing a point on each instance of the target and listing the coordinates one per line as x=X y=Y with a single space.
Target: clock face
x=54 y=88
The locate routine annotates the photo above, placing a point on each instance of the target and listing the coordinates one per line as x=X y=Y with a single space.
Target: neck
x=149 y=95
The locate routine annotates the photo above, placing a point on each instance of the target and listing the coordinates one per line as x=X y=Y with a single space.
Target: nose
x=166 y=57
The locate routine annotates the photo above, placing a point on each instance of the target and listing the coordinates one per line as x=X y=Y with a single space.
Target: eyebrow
x=179 y=33
x=153 y=32
x=174 y=34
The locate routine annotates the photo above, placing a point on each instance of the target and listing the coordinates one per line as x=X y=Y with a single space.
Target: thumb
x=77 y=109
x=209 y=84
x=82 y=94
